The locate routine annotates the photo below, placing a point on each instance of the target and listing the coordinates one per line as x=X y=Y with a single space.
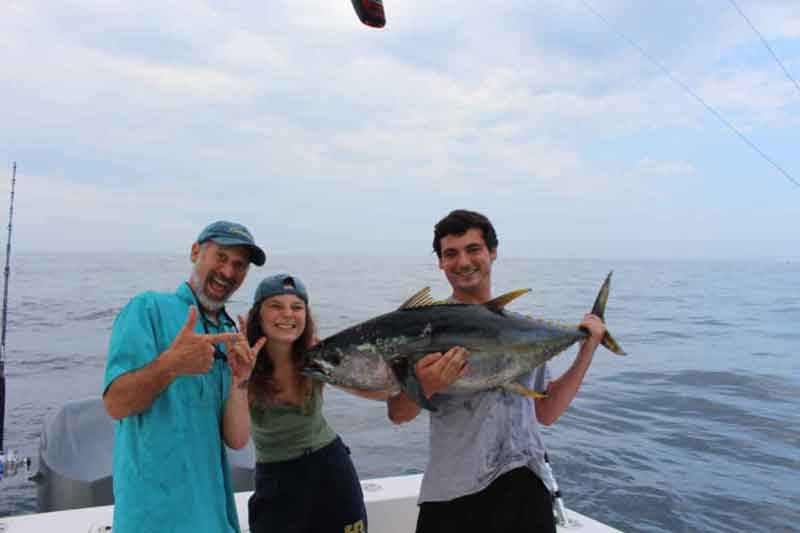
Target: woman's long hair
x=261 y=387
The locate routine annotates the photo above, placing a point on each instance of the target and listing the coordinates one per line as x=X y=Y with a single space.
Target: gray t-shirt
x=475 y=438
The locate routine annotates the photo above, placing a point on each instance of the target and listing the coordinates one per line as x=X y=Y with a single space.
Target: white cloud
x=651 y=167
x=284 y=107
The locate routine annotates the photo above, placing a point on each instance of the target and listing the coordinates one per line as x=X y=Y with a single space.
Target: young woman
x=305 y=480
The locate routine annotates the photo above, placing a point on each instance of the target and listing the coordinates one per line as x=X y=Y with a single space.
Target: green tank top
x=283 y=432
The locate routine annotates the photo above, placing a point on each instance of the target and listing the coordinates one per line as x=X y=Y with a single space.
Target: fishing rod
x=9 y=462
x=6 y=273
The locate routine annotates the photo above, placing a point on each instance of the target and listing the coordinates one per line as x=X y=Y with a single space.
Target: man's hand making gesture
x=192 y=352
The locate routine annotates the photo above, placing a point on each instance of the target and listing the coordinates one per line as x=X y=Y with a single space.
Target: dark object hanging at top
x=370 y=12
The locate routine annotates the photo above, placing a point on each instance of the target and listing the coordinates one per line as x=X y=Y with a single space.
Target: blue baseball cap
x=280 y=284
x=232 y=234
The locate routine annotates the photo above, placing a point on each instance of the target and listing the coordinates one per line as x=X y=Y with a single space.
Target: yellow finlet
x=501 y=301
x=522 y=391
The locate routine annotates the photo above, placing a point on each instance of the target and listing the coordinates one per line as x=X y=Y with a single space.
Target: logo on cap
x=241 y=230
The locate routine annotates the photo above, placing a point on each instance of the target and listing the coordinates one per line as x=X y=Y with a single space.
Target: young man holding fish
x=176 y=382
x=486 y=460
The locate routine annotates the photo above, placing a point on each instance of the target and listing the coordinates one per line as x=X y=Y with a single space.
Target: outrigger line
x=6 y=272
x=692 y=93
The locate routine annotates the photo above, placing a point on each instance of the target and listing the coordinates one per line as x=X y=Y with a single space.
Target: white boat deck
x=391 y=507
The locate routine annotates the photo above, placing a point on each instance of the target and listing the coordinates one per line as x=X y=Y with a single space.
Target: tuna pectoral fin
x=522 y=391
x=414 y=391
x=403 y=369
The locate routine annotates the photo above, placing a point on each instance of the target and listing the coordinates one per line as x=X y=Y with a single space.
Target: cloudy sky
x=136 y=123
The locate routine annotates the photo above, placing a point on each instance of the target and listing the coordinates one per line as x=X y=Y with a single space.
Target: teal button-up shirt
x=170 y=469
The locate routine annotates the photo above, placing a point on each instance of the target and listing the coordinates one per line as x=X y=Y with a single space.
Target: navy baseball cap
x=232 y=234
x=280 y=284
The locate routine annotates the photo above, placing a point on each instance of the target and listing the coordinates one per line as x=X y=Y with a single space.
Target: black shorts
x=517 y=501
x=315 y=493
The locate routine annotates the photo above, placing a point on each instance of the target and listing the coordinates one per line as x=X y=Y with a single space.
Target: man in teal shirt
x=175 y=381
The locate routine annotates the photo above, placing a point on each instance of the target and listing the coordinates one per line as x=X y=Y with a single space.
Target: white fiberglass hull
x=391 y=507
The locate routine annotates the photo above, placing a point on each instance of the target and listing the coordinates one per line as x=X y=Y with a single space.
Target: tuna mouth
x=319 y=368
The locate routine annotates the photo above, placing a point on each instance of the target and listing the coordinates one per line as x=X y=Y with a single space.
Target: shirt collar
x=184 y=292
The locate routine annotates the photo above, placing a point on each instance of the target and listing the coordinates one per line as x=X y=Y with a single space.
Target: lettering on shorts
x=355 y=527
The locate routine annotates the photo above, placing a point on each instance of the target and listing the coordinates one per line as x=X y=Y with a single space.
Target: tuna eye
x=334 y=357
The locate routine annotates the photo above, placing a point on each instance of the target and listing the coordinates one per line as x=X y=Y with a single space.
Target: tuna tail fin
x=599 y=310
x=407 y=376
x=610 y=343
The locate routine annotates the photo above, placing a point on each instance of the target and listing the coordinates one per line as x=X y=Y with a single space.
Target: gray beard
x=205 y=301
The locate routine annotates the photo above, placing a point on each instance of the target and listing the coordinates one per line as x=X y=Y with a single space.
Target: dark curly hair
x=457 y=223
x=261 y=385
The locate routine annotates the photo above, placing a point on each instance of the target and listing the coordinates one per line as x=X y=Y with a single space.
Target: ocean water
x=697 y=429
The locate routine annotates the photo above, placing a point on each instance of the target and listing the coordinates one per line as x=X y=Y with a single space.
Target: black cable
x=766 y=45
x=697 y=97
